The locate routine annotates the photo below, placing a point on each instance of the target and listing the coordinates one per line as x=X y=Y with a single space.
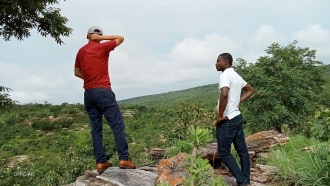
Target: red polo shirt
x=93 y=60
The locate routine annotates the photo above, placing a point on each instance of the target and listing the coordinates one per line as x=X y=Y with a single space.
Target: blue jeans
x=228 y=132
x=99 y=102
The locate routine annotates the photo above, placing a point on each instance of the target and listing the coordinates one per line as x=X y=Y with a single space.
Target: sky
x=169 y=45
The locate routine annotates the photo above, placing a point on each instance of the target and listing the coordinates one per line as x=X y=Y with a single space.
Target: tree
x=325 y=95
x=287 y=82
x=5 y=101
x=18 y=17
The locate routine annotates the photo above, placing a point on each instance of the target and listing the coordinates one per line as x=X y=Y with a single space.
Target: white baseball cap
x=95 y=30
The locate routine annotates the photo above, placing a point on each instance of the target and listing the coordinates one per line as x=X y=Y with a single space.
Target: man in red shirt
x=91 y=65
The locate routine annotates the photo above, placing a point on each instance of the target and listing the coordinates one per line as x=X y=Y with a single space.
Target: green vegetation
x=5 y=101
x=57 y=143
x=320 y=125
x=205 y=95
x=302 y=161
x=288 y=83
x=200 y=170
x=39 y=15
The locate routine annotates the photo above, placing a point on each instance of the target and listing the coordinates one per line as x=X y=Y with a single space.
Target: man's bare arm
x=248 y=91
x=222 y=105
x=78 y=73
x=223 y=100
x=119 y=39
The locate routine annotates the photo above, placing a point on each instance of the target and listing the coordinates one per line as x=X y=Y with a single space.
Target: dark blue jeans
x=99 y=102
x=229 y=132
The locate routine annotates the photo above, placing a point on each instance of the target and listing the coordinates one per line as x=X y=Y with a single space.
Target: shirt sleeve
x=224 y=81
x=109 y=45
x=243 y=82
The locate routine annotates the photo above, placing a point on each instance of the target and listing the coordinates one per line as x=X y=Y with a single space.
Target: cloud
x=315 y=37
x=265 y=35
x=190 y=60
x=169 y=45
x=31 y=85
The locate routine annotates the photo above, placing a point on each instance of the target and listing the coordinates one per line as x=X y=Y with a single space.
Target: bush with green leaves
x=14 y=119
x=200 y=170
x=188 y=115
x=43 y=125
x=64 y=122
x=39 y=170
x=5 y=101
x=288 y=82
x=179 y=147
x=320 y=126
x=202 y=173
x=199 y=136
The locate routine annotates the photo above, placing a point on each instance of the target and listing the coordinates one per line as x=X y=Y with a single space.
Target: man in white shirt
x=229 y=123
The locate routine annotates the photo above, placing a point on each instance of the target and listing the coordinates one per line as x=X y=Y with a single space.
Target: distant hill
x=204 y=95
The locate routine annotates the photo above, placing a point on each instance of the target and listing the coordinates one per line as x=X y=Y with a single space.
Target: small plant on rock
x=200 y=169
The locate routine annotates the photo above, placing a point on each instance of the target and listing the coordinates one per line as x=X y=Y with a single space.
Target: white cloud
x=169 y=45
x=266 y=34
x=315 y=37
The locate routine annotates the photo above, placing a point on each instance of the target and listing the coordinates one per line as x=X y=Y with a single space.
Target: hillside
x=33 y=134
x=204 y=95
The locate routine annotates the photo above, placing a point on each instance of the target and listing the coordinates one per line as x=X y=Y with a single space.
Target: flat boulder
x=262 y=141
x=114 y=176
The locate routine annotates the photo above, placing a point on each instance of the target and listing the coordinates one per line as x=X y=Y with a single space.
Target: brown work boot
x=126 y=164
x=101 y=167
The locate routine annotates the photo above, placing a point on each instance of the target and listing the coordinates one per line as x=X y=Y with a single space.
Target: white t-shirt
x=229 y=78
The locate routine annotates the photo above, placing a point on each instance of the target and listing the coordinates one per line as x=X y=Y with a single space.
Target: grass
x=301 y=167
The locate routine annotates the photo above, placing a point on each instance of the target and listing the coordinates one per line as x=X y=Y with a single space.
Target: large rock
x=264 y=140
x=131 y=177
x=256 y=143
x=114 y=176
x=172 y=171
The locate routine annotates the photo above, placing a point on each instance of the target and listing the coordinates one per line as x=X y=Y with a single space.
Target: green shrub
x=14 y=119
x=180 y=146
x=320 y=126
x=299 y=167
x=201 y=173
x=139 y=151
x=43 y=125
x=200 y=170
x=48 y=169
x=187 y=115
x=64 y=122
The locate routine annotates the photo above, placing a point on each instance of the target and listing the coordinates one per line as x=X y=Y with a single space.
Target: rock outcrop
x=264 y=140
x=172 y=171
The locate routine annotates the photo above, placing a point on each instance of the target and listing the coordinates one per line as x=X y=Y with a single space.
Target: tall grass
x=302 y=161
